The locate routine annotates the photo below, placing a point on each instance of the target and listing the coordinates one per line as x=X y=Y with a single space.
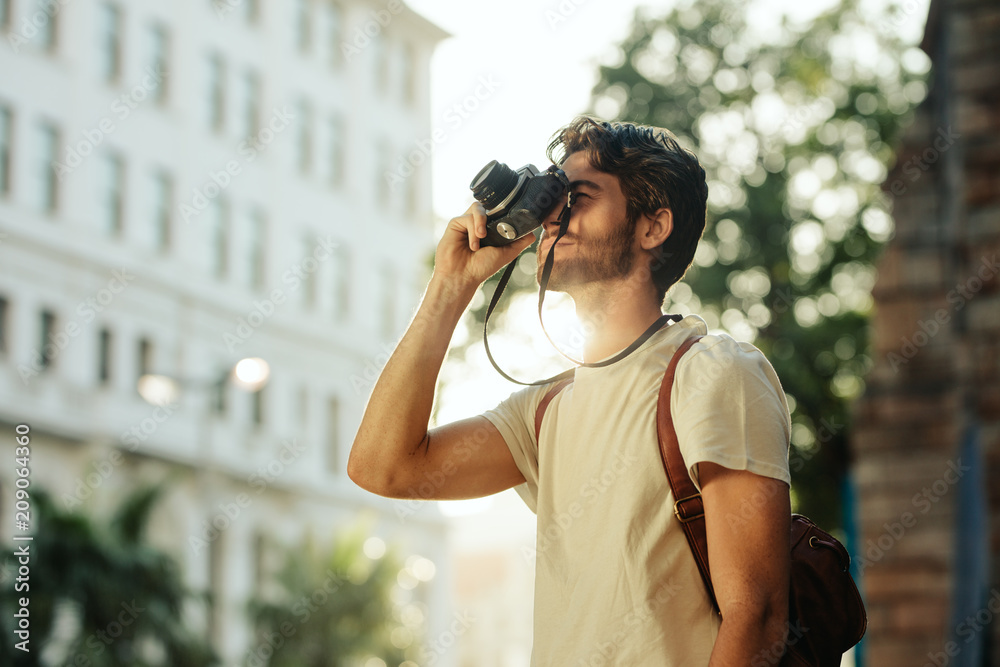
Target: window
x=144 y=358
x=46 y=357
x=333 y=436
x=257 y=243
x=310 y=267
x=303 y=404
x=305 y=141
x=110 y=192
x=383 y=190
x=158 y=43
x=257 y=407
x=216 y=92
x=413 y=193
x=380 y=59
x=47 y=184
x=161 y=198
x=341 y=283
x=220 y=396
x=5 y=14
x=251 y=10
x=303 y=25
x=334 y=32
x=109 y=20
x=104 y=357
x=43 y=15
x=408 y=60
x=4 y=324
x=218 y=229
x=249 y=104
x=334 y=150
x=5 y=141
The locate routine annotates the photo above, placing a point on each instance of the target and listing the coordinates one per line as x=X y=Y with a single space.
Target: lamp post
x=249 y=374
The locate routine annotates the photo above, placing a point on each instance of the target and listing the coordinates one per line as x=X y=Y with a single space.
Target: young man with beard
x=616 y=582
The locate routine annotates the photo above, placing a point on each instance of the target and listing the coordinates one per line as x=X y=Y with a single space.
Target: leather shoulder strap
x=544 y=404
x=688 y=506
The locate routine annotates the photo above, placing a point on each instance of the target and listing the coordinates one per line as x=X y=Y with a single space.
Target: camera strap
x=543 y=285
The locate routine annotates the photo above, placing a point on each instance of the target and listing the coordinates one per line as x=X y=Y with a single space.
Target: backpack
x=826 y=616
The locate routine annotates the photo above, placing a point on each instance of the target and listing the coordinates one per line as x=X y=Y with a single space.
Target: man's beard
x=593 y=260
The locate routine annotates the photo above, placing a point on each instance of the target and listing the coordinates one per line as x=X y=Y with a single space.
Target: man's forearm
x=755 y=640
x=396 y=418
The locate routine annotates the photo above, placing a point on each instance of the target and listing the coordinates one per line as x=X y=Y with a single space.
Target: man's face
x=599 y=243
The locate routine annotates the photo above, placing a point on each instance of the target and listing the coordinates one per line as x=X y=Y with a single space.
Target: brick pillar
x=935 y=345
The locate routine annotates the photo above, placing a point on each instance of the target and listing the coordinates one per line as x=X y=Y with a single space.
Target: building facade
x=926 y=440
x=186 y=184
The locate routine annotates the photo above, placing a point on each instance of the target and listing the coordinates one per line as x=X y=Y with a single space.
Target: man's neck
x=614 y=316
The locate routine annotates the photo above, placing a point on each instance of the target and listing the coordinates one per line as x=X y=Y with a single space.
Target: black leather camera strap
x=543 y=285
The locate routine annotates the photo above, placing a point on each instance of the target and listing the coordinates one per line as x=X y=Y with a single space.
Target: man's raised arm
x=393 y=451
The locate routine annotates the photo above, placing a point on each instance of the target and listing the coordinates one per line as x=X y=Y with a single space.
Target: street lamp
x=249 y=374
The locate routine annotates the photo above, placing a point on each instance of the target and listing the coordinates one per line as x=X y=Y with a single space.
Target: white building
x=219 y=192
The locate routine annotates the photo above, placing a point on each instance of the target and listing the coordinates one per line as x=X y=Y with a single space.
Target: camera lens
x=493 y=183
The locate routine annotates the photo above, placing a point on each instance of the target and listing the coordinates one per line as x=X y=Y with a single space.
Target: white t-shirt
x=615 y=580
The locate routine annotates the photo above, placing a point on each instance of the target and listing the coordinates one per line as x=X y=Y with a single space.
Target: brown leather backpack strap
x=549 y=395
x=688 y=506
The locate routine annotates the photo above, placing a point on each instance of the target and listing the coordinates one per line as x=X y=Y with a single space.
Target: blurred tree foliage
x=100 y=596
x=337 y=607
x=795 y=125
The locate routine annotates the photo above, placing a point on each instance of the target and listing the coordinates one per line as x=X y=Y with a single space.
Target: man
x=616 y=583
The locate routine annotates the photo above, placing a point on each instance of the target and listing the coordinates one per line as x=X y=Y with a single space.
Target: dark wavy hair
x=655 y=172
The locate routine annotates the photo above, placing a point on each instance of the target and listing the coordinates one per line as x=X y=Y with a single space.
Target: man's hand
x=459 y=256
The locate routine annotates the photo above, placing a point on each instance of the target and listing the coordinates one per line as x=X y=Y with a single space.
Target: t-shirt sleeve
x=514 y=417
x=729 y=409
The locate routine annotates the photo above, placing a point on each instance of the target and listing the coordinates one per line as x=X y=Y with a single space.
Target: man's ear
x=655 y=228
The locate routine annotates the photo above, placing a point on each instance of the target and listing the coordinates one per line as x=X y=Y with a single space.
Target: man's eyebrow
x=586 y=184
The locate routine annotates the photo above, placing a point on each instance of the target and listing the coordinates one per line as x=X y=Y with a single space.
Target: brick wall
x=936 y=345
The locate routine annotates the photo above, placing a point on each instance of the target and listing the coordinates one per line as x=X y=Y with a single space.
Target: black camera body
x=517 y=202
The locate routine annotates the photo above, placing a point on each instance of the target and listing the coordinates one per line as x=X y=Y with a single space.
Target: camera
x=516 y=202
